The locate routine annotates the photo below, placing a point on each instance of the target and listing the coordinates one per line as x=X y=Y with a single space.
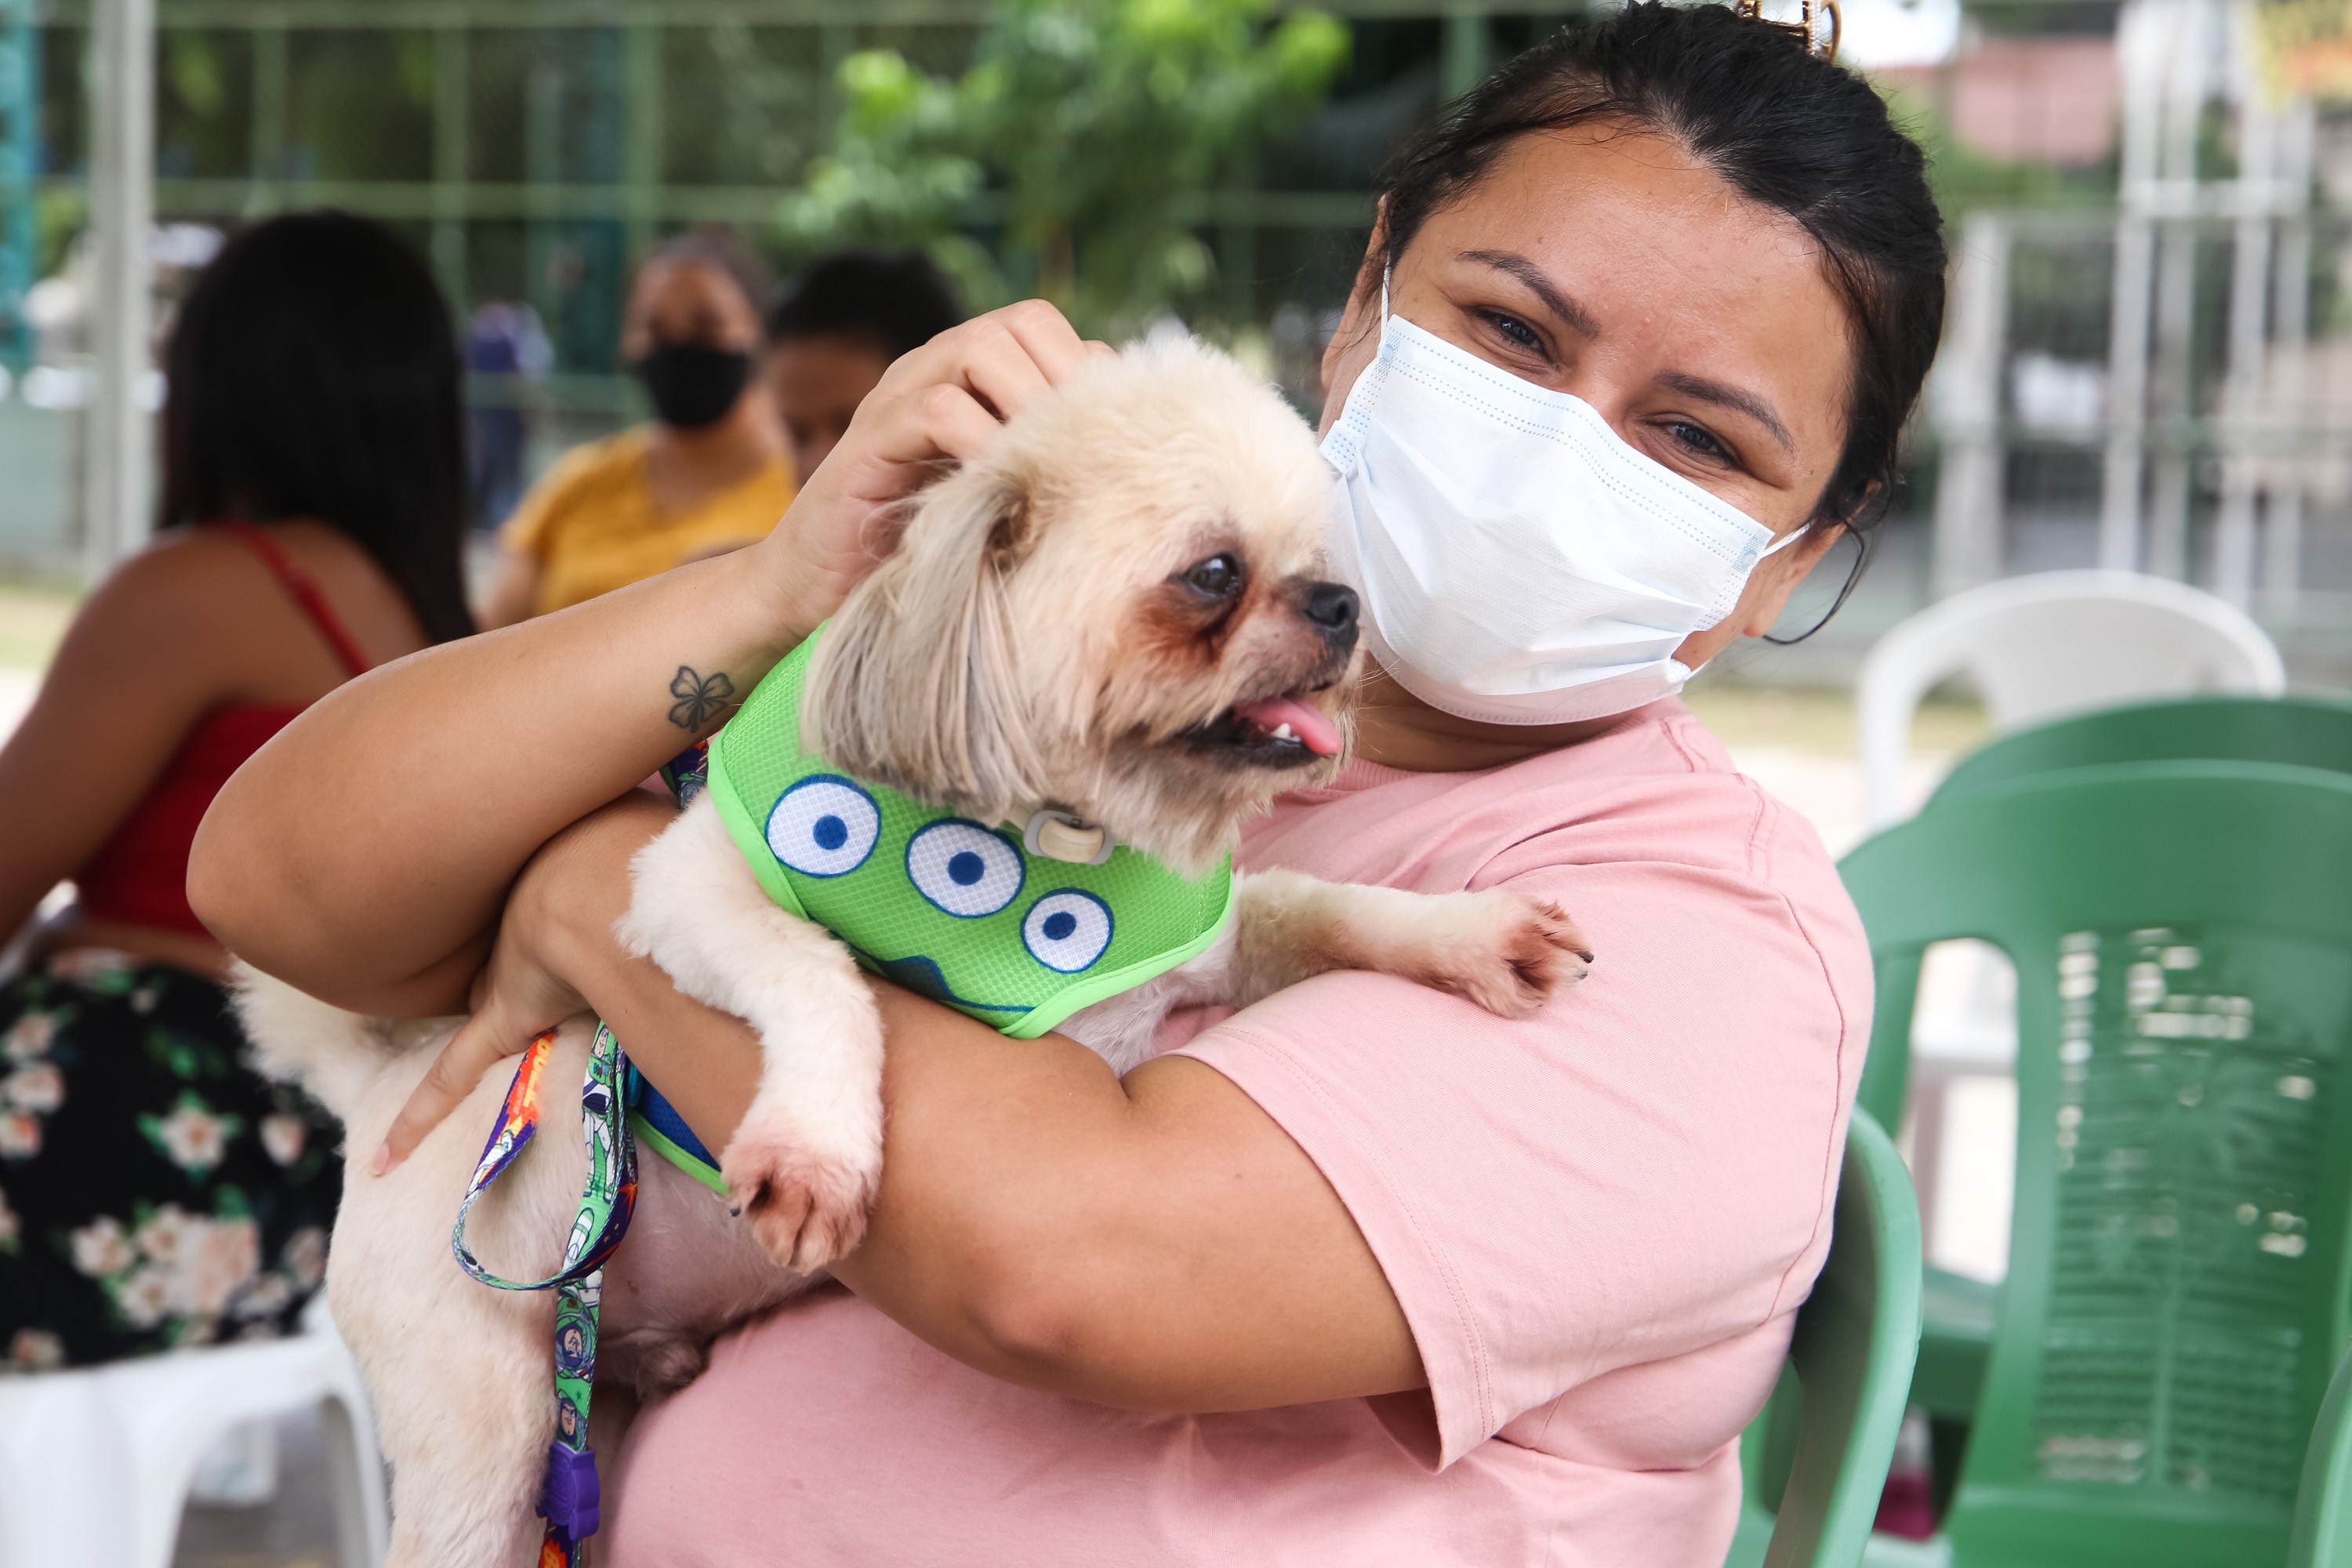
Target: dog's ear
x=914 y=684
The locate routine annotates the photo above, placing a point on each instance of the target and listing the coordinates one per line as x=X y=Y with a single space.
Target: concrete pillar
x=119 y=453
x=1967 y=410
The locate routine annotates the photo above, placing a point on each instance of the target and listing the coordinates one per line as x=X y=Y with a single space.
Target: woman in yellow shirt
x=712 y=472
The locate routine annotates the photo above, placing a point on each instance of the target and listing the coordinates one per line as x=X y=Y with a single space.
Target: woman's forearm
x=1158 y=1243
x=364 y=854
x=706 y=1062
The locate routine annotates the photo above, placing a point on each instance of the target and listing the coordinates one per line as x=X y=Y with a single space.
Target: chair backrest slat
x=2301 y=731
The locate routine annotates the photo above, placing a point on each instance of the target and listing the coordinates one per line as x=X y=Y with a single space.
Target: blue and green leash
x=569 y=1498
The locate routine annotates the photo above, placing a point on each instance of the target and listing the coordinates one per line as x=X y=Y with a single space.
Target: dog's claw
x=807 y=1206
x=1514 y=955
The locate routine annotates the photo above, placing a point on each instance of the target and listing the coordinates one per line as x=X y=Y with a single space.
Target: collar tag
x=1065 y=836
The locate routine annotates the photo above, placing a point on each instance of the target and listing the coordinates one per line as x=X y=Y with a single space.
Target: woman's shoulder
x=189 y=606
x=1650 y=813
x=1664 y=772
x=204 y=570
x=1658 y=787
x=1657 y=812
x=1662 y=795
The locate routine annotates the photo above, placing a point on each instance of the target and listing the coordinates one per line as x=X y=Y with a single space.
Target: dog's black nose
x=1333 y=608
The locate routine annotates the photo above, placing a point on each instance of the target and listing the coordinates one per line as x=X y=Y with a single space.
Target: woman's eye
x=1697 y=439
x=1220 y=576
x=1520 y=334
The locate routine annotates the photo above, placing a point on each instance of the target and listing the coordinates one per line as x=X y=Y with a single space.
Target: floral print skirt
x=154 y=1190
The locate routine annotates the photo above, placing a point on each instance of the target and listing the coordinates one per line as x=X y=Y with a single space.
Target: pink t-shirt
x=1599 y=1222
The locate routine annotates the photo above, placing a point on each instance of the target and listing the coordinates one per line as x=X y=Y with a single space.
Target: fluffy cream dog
x=1114 y=615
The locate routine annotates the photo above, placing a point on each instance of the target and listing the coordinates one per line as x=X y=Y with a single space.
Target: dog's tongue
x=1310 y=723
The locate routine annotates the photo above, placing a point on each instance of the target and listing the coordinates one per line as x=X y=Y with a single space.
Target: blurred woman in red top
x=154 y=1191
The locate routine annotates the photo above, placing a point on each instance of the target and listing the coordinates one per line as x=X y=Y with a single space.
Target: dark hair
x=894 y=301
x=1781 y=126
x=721 y=249
x=313 y=372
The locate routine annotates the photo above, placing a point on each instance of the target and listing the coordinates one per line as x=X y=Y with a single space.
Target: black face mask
x=693 y=384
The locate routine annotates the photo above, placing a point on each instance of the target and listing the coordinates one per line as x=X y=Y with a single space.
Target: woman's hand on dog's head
x=935 y=406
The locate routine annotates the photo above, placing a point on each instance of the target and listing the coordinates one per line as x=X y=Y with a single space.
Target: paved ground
x=294 y=1530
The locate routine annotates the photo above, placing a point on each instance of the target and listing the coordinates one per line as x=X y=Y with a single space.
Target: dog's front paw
x=1503 y=950
x=807 y=1201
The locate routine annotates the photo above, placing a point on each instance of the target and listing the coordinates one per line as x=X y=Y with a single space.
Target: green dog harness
x=980 y=918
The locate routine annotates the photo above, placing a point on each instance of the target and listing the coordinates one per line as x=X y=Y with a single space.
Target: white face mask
x=1518 y=562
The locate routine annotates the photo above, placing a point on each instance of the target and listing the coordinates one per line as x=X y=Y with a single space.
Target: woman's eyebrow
x=1576 y=316
x=1727 y=396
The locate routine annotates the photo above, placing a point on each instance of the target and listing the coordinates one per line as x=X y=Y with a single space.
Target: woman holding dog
x=1359 y=1274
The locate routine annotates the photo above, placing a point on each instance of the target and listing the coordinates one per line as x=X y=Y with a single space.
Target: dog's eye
x=963 y=868
x=1220 y=576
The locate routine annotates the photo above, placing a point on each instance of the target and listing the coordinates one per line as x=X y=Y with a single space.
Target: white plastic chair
x=2047 y=645
x=95 y=1463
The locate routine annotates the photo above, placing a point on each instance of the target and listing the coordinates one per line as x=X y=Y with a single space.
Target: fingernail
x=382 y=1160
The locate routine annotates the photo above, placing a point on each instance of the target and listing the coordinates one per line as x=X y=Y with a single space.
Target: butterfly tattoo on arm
x=700 y=698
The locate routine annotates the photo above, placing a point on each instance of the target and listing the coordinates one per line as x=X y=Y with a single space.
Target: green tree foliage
x=1083 y=140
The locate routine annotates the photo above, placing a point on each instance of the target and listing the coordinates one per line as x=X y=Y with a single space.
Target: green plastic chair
x=2323 y=1506
x=2182 y=934
x=2301 y=731
x=1815 y=1460
x=2305 y=731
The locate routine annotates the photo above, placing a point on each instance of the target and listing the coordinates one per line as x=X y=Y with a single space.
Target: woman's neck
x=1398 y=730
x=687 y=468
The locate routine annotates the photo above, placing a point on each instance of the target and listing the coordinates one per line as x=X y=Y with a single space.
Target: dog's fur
x=1035 y=641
